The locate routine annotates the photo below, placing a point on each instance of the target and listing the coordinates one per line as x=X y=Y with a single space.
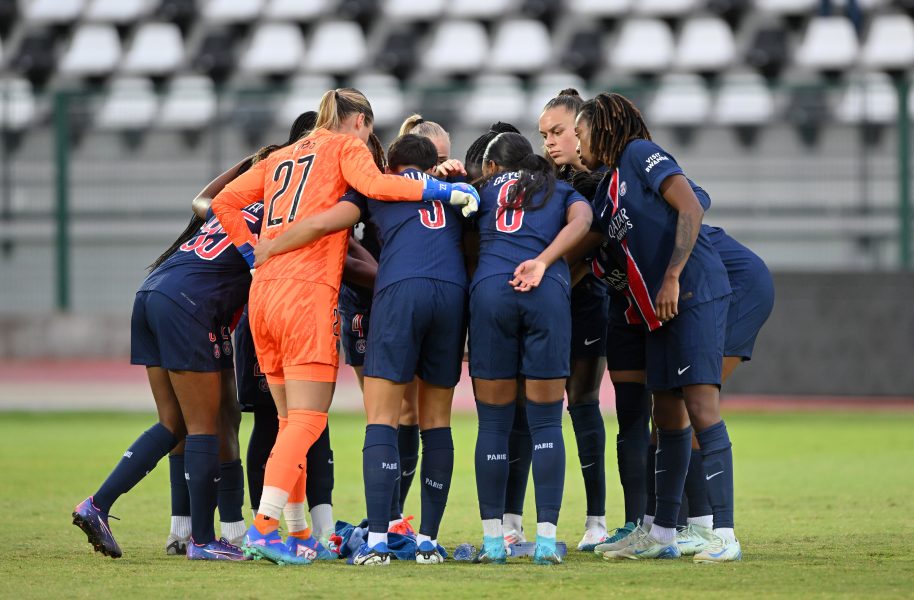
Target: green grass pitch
x=824 y=509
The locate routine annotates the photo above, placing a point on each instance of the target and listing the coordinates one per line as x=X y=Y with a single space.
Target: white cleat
x=176 y=545
x=720 y=550
x=692 y=539
x=513 y=536
x=592 y=538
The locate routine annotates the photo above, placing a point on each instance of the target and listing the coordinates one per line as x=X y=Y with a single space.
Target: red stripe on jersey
x=632 y=316
x=597 y=269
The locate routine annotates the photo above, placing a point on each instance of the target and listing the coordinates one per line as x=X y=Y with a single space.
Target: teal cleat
x=270 y=547
x=720 y=550
x=545 y=552
x=643 y=547
x=617 y=541
x=493 y=551
x=309 y=548
x=693 y=539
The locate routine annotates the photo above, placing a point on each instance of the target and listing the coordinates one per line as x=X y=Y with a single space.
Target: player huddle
x=548 y=270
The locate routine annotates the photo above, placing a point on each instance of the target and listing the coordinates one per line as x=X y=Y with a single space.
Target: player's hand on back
x=528 y=275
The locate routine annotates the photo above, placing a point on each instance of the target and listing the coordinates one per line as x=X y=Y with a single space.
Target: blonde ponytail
x=338 y=104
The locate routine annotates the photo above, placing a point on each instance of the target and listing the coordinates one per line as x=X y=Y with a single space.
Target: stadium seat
x=830 y=44
x=398 y=54
x=253 y=112
x=743 y=100
x=117 y=11
x=768 y=50
x=681 y=100
x=189 y=103
x=216 y=55
x=36 y=56
x=304 y=94
x=644 y=46
x=336 y=47
x=94 y=50
x=584 y=54
x=274 y=48
x=705 y=44
x=456 y=47
x=130 y=104
x=17 y=104
x=295 y=10
x=385 y=96
x=870 y=98
x=889 y=43
x=232 y=11
x=731 y=11
x=156 y=49
x=665 y=8
x=808 y=111
x=180 y=12
x=520 y=46
x=787 y=7
x=545 y=87
x=478 y=9
x=494 y=98
x=51 y=11
x=599 y=9
x=403 y=11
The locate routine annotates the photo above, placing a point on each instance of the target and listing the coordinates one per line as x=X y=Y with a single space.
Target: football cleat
x=720 y=550
x=692 y=539
x=270 y=547
x=592 y=538
x=309 y=548
x=645 y=547
x=493 y=551
x=545 y=552
x=403 y=527
x=176 y=545
x=427 y=554
x=219 y=549
x=378 y=555
x=514 y=536
x=617 y=540
x=94 y=524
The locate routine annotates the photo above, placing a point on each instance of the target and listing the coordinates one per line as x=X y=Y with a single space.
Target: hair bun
x=570 y=92
x=501 y=127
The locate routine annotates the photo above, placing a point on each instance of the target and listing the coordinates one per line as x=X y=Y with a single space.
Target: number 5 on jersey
x=286 y=171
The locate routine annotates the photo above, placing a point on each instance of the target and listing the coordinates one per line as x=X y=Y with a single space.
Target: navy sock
x=408 y=445
x=672 y=462
x=696 y=487
x=380 y=469
x=319 y=483
x=548 y=458
x=718 y=460
x=492 y=457
x=520 y=455
x=263 y=436
x=180 y=497
x=633 y=413
x=139 y=459
x=682 y=519
x=590 y=433
x=230 y=493
x=437 y=469
x=650 y=489
x=201 y=468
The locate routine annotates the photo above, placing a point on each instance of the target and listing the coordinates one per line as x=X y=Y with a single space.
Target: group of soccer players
x=553 y=268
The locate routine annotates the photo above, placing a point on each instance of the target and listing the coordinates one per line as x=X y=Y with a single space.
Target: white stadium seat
x=384 y=94
x=51 y=11
x=546 y=87
x=457 y=47
x=520 y=46
x=295 y=10
x=744 y=99
x=705 y=44
x=787 y=7
x=274 y=48
x=94 y=50
x=130 y=104
x=117 y=11
x=400 y=11
x=599 y=8
x=156 y=49
x=889 y=43
x=681 y=99
x=871 y=98
x=304 y=94
x=644 y=45
x=336 y=47
x=478 y=9
x=233 y=11
x=17 y=104
x=664 y=8
x=494 y=98
x=190 y=103
x=830 y=43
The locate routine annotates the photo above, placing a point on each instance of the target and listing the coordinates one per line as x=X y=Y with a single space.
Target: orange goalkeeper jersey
x=301 y=180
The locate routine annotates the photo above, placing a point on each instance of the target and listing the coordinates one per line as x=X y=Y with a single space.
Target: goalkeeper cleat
x=592 y=538
x=545 y=552
x=692 y=539
x=309 y=548
x=493 y=551
x=720 y=550
x=219 y=549
x=645 y=547
x=617 y=540
x=176 y=545
x=270 y=547
x=94 y=524
x=378 y=555
x=428 y=554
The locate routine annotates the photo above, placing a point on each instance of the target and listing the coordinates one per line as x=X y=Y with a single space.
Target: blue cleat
x=493 y=551
x=546 y=552
x=309 y=548
x=270 y=547
x=219 y=549
x=428 y=554
x=94 y=524
x=378 y=555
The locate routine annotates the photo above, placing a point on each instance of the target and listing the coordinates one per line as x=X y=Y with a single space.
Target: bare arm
x=202 y=202
x=678 y=194
x=530 y=272
x=584 y=249
x=360 y=267
x=341 y=216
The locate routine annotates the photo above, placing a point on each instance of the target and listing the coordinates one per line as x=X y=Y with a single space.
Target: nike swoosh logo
x=217 y=480
x=660 y=471
x=684 y=369
x=586 y=466
x=603 y=211
x=405 y=474
x=619 y=442
x=590 y=342
x=710 y=477
x=511 y=462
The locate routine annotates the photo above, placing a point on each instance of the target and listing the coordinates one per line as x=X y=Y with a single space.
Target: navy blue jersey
x=417 y=239
x=207 y=276
x=633 y=214
x=509 y=236
x=742 y=264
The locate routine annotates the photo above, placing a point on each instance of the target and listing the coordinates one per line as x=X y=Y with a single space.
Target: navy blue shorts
x=355 y=314
x=625 y=344
x=519 y=333
x=421 y=332
x=253 y=389
x=688 y=350
x=162 y=334
x=748 y=312
x=589 y=315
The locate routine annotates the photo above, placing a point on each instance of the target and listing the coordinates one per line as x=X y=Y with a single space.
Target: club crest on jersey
x=360 y=346
x=216 y=352
x=622 y=189
x=227 y=348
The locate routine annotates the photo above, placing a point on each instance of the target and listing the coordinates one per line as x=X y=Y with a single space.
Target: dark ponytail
x=473 y=160
x=513 y=152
